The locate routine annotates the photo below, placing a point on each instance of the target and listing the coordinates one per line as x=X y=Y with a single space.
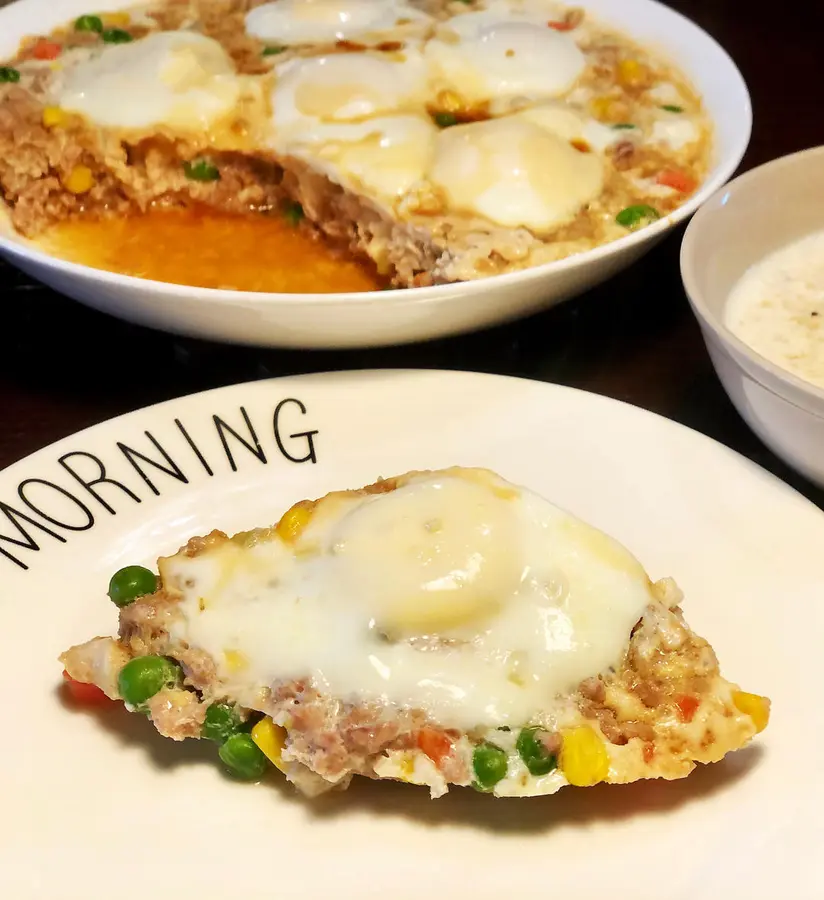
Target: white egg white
x=179 y=79
x=503 y=52
x=515 y=173
x=290 y=22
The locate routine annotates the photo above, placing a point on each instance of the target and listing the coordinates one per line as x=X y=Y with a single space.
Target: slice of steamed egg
x=292 y=22
x=515 y=173
x=456 y=593
x=179 y=79
x=496 y=53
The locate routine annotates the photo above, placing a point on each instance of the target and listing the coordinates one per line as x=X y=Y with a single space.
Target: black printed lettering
x=100 y=477
x=22 y=492
x=309 y=435
x=172 y=468
x=24 y=539
x=253 y=447
x=194 y=447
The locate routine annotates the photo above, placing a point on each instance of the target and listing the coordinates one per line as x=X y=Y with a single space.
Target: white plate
x=379 y=318
x=97 y=799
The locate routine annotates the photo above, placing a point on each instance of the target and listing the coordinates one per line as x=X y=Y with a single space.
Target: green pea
x=130 y=583
x=624 y=126
x=489 y=764
x=222 y=721
x=142 y=677
x=671 y=107
x=445 y=120
x=536 y=757
x=273 y=51
x=243 y=758
x=635 y=216
x=8 y=75
x=89 y=23
x=201 y=170
x=116 y=36
x=293 y=213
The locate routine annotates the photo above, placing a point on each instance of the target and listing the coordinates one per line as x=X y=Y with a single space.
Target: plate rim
x=466 y=374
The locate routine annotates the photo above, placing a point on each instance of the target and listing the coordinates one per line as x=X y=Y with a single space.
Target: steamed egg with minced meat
x=456 y=593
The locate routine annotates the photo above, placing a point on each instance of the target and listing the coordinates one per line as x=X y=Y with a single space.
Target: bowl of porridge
x=752 y=261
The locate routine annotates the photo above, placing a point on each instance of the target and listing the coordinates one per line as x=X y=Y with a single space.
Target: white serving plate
x=97 y=805
x=379 y=317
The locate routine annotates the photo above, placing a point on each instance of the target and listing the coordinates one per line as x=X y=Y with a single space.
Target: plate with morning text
x=96 y=803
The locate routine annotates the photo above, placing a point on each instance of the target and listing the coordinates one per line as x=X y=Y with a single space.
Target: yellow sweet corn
x=449 y=101
x=754 y=706
x=601 y=108
x=235 y=660
x=53 y=117
x=270 y=739
x=632 y=73
x=79 y=181
x=584 y=759
x=116 y=19
x=408 y=767
x=293 y=522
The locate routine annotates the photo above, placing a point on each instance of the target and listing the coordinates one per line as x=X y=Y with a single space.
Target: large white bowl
x=756 y=214
x=379 y=318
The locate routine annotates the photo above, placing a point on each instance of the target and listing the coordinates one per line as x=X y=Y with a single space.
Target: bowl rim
x=758 y=364
x=19 y=248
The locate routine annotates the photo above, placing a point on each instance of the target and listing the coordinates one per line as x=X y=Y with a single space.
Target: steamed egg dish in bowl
x=441 y=628
x=342 y=145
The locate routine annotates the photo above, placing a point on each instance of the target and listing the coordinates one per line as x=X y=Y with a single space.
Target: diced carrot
x=687 y=705
x=581 y=145
x=678 y=181
x=46 y=49
x=561 y=26
x=648 y=752
x=86 y=694
x=435 y=744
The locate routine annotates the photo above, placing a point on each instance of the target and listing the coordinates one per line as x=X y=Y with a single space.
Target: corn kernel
x=53 y=117
x=601 y=107
x=116 y=19
x=584 y=759
x=79 y=181
x=754 y=706
x=293 y=522
x=632 y=73
x=270 y=739
x=407 y=767
x=449 y=101
x=235 y=660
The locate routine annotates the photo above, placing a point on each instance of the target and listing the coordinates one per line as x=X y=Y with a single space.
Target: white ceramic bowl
x=380 y=318
x=765 y=209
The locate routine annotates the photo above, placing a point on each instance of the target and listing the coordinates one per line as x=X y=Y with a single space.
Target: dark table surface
x=64 y=367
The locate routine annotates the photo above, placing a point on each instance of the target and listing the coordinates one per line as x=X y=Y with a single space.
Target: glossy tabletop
x=64 y=367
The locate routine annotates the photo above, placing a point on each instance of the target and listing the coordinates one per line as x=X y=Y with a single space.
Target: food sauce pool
x=211 y=250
